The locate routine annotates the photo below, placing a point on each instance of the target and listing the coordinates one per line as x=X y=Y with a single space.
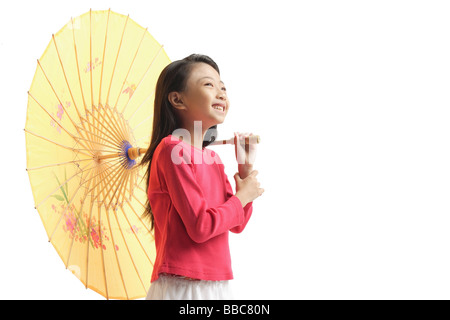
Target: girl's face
x=204 y=98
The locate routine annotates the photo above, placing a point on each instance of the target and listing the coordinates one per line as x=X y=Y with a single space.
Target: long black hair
x=165 y=120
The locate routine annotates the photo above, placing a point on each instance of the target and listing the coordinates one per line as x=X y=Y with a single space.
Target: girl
x=191 y=204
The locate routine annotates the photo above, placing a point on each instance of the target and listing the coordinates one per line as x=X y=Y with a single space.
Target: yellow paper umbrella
x=90 y=104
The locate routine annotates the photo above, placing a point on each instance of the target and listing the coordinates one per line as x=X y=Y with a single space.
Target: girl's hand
x=247 y=189
x=245 y=153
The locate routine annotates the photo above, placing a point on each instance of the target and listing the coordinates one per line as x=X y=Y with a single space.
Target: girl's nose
x=221 y=95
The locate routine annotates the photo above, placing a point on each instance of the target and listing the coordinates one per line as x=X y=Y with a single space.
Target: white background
x=352 y=102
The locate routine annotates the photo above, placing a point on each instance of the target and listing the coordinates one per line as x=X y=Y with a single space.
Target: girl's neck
x=192 y=134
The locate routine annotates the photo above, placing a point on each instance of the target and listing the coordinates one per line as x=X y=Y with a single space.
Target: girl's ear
x=176 y=100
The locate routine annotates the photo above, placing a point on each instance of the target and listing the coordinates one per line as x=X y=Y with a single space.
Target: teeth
x=218 y=108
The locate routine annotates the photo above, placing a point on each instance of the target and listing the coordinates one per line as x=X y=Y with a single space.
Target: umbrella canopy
x=90 y=102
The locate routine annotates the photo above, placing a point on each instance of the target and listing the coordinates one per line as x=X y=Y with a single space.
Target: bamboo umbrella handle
x=256 y=140
x=134 y=153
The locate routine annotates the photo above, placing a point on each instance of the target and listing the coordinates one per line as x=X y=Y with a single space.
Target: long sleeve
x=201 y=221
x=248 y=209
x=194 y=209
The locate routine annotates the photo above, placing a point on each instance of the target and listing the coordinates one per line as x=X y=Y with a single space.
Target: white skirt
x=176 y=288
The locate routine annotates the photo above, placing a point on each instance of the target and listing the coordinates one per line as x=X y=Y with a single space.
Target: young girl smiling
x=191 y=203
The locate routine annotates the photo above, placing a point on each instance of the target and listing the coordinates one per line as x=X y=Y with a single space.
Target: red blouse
x=194 y=207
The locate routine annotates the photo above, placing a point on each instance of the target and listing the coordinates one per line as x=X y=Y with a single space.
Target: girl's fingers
x=244 y=135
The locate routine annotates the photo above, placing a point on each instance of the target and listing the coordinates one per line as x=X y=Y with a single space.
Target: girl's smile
x=204 y=98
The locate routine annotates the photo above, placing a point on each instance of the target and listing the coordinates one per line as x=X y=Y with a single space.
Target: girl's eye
x=209 y=84
x=224 y=89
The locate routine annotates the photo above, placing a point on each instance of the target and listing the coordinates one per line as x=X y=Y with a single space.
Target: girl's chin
x=210 y=124
x=217 y=119
x=212 y=120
